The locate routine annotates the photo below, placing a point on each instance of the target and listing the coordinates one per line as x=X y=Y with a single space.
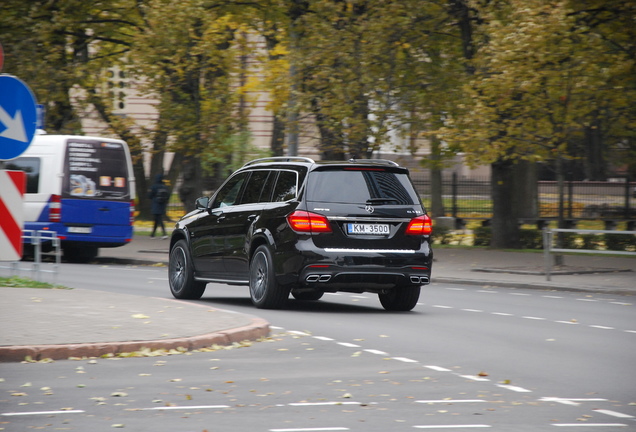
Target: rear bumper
x=100 y=236
x=356 y=270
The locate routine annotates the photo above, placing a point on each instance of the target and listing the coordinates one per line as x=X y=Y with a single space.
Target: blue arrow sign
x=18 y=117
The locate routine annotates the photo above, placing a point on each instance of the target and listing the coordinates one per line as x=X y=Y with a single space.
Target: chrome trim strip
x=342 y=250
x=367 y=219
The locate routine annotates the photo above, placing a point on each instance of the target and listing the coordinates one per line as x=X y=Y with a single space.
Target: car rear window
x=359 y=185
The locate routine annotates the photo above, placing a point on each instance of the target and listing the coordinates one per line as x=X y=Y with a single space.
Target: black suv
x=289 y=224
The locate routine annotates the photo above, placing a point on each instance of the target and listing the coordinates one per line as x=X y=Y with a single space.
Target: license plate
x=80 y=230
x=368 y=229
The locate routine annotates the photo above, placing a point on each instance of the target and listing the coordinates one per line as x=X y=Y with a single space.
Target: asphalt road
x=465 y=358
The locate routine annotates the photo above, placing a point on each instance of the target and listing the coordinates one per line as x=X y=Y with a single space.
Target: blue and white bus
x=82 y=188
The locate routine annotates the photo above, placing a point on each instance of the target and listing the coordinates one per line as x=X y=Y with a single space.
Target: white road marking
x=501 y=314
x=298 y=333
x=373 y=351
x=404 y=359
x=193 y=407
x=570 y=401
x=438 y=368
x=310 y=429
x=348 y=345
x=551 y=296
x=42 y=413
x=474 y=377
x=452 y=426
x=472 y=310
x=451 y=401
x=602 y=327
x=519 y=294
x=514 y=388
x=534 y=318
x=442 y=307
x=613 y=413
x=566 y=322
x=323 y=338
x=589 y=424
x=323 y=403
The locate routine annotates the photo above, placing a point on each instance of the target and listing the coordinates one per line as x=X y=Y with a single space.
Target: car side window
x=286 y=186
x=254 y=186
x=229 y=193
x=266 y=194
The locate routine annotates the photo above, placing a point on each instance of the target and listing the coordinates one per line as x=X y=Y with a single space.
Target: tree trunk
x=505 y=227
x=594 y=159
x=278 y=137
x=191 y=186
x=527 y=194
x=558 y=259
x=437 y=203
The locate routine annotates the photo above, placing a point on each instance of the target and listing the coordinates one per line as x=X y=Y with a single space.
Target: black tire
x=265 y=291
x=181 y=274
x=80 y=255
x=400 y=298
x=308 y=295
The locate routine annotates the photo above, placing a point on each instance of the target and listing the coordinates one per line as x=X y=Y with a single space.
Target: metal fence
x=35 y=239
x=471 y=198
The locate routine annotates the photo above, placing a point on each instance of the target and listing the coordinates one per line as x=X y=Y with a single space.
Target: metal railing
x=471 y=198
x=37 y=237
x=548 y=236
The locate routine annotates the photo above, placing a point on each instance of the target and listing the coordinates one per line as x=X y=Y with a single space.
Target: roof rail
x=280 y=159
x=379 y=161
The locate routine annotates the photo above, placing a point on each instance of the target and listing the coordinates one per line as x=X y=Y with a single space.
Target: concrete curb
x=257 y=329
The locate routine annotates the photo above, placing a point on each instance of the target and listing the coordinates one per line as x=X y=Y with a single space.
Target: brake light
x=306 y=222
x=132 y=212
x=55 y=208
x=421 y=225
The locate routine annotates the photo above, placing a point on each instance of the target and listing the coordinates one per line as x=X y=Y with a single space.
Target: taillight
x=421 y=225
x=55 y=208
x=132 y=212
x=306 y=222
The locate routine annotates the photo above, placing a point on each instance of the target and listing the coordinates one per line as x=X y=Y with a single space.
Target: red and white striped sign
x=12 y=187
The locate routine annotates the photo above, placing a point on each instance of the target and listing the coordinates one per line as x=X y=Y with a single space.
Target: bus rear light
x=55 y=208
x=132 y=212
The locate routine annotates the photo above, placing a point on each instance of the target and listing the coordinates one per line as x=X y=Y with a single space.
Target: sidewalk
x=59 y=324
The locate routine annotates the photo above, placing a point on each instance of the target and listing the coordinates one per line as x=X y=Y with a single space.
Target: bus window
x=96 y=170
x=31 y=166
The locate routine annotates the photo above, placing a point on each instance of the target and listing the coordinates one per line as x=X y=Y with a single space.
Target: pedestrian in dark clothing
x=159 y=195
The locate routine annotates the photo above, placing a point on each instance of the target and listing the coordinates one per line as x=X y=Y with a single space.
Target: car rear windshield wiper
x=381 y=200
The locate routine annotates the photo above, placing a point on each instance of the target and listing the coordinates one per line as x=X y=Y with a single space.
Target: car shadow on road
x=293 y=305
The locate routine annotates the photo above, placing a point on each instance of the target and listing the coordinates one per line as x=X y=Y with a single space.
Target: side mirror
x=202 y=202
